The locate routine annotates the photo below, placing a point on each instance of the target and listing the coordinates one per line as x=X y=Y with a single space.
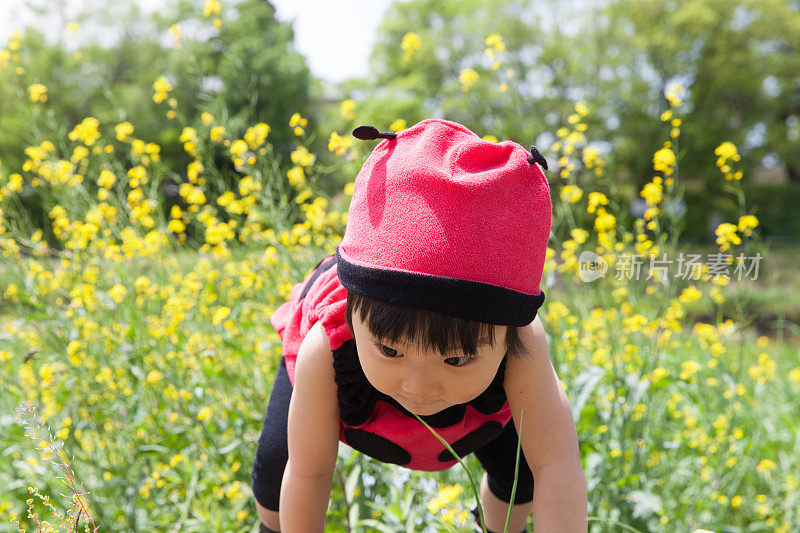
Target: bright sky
x=336 y=37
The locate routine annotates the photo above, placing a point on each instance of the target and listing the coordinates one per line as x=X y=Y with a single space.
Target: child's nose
x=419 y=385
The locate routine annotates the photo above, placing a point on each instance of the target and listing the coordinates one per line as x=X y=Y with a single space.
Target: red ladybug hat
x=444 y=221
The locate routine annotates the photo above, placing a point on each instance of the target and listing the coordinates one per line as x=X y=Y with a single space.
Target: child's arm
x=549 y=440
x=313 y=433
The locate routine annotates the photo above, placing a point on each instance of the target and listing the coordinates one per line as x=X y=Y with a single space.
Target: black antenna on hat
x=369 y=133
x=537 y=157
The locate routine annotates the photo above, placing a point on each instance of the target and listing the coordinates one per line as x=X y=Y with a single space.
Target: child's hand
x=313 y=428
x=549 y=440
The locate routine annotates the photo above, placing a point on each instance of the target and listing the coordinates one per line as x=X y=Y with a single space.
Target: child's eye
x=388 y=352
x=459 y=361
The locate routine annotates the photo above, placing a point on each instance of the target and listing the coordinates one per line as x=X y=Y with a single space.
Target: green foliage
x=618 y=56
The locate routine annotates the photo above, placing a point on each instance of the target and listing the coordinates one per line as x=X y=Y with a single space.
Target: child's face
x=425 y=382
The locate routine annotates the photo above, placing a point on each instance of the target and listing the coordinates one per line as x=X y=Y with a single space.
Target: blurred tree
x=738 y=58
x=245 y=72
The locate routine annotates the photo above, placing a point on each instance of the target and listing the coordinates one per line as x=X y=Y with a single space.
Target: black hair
x=391 y=323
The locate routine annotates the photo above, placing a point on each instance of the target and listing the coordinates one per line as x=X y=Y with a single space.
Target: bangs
x=446 y=334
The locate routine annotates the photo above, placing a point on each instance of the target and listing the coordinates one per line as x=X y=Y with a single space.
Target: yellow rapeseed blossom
x=596 y=199
x=117 y=292
x=296 y=176
x=397 y=125
x=571 y=193
x=204 y=413
x=207 y=118
x=746 y=224
x=298 y=123
x=604 y=221
x=690 y=294
x=220 y=314
x=409 y=44
x=339 y=144
x=726 y=236
x=581 y=108
x=37 y=93
x=445 y=497
x=675 y=93
x=87 y=131
x=346 y=109
x=106 y=179
x=664 y=160
x=652 y=191
x=301 y=156
x=212 y=7
x=123 y=131
x=765 y=465
x=154 y=376
x=467 y=78
x=217 y=134
x=161 y=86
x=257 y=135
x=726 y=151
x=490 y=138
x=689 y=369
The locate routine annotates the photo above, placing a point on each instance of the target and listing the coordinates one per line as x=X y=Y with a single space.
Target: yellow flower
x=301 y=156
x=579 y=235
x=581 y=109
x=690 y=294
x=212 y=7
x=296 y=175
x=106 y=179
x=346 y=109
x=664 y=160
x=765 y=466
x=604 y=221
x=495 y=41
x=490 y=138
x=725 y=151
x=726 y=236
x=794 y=375
x=87 y=131
x=689 y=369
x=37 y=93
x=257 y=135
x=445 y=497
x=204 y=413
x=596 y=199
x=217 y=134
x=397 y=125
x=117 y=292
x=571 y=193
x=238 y=147
x=409 y=44
x=123 y=130
x=339 y=144
x=651 y=192
x=468 y=77
x=746 y=224
x=220 y=314
x=154 y=376
x=161 y=87
x=675 y=93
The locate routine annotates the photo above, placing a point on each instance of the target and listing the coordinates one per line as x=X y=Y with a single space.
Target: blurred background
x=170 y=169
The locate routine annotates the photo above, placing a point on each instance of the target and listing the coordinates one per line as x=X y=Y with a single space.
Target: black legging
x=497 y=457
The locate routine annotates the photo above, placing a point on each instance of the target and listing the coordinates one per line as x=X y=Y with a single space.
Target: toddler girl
x=427 y=307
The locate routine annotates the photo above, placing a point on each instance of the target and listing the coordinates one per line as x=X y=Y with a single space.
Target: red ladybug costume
x=370 y=421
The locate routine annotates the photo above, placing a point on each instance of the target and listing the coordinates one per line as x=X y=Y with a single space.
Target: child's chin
x=422 y=410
